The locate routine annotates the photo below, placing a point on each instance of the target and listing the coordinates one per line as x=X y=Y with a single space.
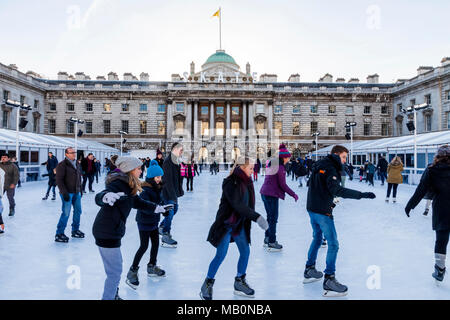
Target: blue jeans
x=383 y=176
x=166 y=224
x=271 y=206
x=75 y=201
x=112 y=262
x=222 y=249
x=323 y=225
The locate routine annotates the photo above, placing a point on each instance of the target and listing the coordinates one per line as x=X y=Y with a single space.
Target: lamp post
x=76 y=121
x=414 y=110
x=121 y=140
x=316 y=134
x=19 y=106
x=351 y=125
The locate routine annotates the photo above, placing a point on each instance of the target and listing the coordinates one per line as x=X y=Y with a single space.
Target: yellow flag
x=217 y=14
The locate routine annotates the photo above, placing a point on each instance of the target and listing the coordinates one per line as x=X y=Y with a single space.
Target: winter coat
x=87 y=166
x=301 y=169
x=382 y=165
x=68 y=179
x=2 y=182
x=51 y=165
x=11 y=174
x=395 y=173
x=233 y=201
x=190 y=171
x=361 y=171
x=160 y=161
x=371 y=168
x=324 y=185
x=275 y=182
x=435 y=179
x=172 y=188
x=97 y=166
x=147 y=218
x=109 y=225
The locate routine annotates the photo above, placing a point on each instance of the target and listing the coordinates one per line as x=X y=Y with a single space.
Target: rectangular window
x=235 y=111
x=89 y=107
x=143 y=126
x=180 y=107
x=107 y=107
x=367 y=109
x=125 y=107
x=35 y=125
x=5 y=119
x=235 y=127
x=399 y=107
x=295 y=128
x=428 y=99
x=259 y=108
x=51 y=126
x=384 y=129
x=70 y=126
x=384 y=109
x=161 y=108
x=23 y=100
x=313 y=108
x=52 y=106
x=349 y=110
x=204 y=110
x=70 y=107
x=367 y=128
x=219 y=110
x=5 y=94
x=296 y=109
x=331 y=128
x=314 y=127
x=278 y=126
x=161 y=128
x=220 y=128
x=125 y=126
x=412 y=102
x=88 y=126
x=106 y=126
x=448 y=120
x=331 y=109
x=143 y=107
x=205 y=128
x=428 y=123
x=278 y=109
x=399 y=128
x=36 y=104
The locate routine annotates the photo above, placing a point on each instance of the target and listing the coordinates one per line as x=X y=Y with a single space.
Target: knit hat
x=127 y=164
x=283 y=152
x=158 y=152
x=154 y=170
x=444 y=151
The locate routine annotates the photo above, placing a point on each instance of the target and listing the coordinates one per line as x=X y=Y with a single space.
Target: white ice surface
x=370 y=232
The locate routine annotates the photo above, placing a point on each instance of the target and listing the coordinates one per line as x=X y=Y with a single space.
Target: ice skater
x=233 y=223
x=2 y=181
x=51 y=164
x=436 y=178
x=116 y=202
x=324 y=185
x=394 y=170
x=273 y=189
x=11 y=181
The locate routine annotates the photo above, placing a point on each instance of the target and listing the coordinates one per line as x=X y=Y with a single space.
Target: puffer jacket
x=395 y=173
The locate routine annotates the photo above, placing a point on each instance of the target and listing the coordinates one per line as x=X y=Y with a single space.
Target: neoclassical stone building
x=220 y=110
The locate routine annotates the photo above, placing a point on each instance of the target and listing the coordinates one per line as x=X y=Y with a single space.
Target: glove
x=164 y=209
x=111 y=197
x=407 y=210
x=66 y=197
x=262 y=223
x=295 y=197
x=368 y=195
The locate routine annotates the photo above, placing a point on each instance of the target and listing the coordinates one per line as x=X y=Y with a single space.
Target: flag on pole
x=216 y=14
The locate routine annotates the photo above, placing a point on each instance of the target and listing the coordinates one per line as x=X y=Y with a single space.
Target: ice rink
x=382 y=255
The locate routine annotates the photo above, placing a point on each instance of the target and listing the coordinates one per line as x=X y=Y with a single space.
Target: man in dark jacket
x=159 y=157
x=172 y=190
x=382 y=169
x=11 y=180
x=51 y=164
x=88 y=169
x=324 y=185
x=68 y=180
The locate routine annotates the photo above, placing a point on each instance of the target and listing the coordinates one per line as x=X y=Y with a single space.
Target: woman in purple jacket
x=274 y=188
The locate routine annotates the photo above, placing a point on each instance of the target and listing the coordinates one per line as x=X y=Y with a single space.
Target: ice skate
x=54 y=197
x=438 y=274
x=206 y=292
x=394 y=200
x=132 y=278
x=274 y=247
x=168 y=242
x=12 y=212
x=241 y=287
x=77 y=234
x=155 y=271
x=425 y=213
x=45 y=197
x=61 y=238
x=387 y=200
x=311 y=274
x=266 y=242
x=324 y=243
x=332 y=288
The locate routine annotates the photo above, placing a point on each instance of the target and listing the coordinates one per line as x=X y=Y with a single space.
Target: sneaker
x=167 y=241
x=332 y=287
x=438 y=273
x=426 y=212
x=155 y=271
x=311 y=274
x=77 y=234
x=2 y=229
x=61 y=238
x=274 y=247
x=206 y=292
x=132 y=278
x=241 y=287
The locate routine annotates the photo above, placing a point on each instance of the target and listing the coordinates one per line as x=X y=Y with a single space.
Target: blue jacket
x=147 y=219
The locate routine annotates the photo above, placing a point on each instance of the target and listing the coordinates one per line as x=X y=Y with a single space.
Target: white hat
x=127 y=164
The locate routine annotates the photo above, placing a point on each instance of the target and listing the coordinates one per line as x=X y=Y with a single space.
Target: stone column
x=244 y=113
x=228 y=130
x=169 y=121
x=195 y=121
x=211 y=120
x=251 y=115
x=270 y=120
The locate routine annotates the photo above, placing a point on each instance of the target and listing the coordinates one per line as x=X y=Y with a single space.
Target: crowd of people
x=154 y=186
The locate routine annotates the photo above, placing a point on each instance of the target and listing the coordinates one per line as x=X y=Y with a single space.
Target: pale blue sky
x=345 y=38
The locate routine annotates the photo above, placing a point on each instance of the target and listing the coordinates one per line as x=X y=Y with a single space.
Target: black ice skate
x=311 y=274
x=54 y=197
x=46 y=197
x=332 y=288
x=206 y=292
x=12 y=212
x=77 y=234
x=132 y=278
x=438 y=273
x=155 y=271
x=426 y=212
x=61 y=238
x=241 y=287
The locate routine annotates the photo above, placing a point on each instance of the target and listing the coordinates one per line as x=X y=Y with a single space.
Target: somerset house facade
x=222 y=110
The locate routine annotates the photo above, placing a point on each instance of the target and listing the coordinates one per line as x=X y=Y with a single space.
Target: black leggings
x=189 y=182
x=390 y=185
x=441 y=241
x=145 y=236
